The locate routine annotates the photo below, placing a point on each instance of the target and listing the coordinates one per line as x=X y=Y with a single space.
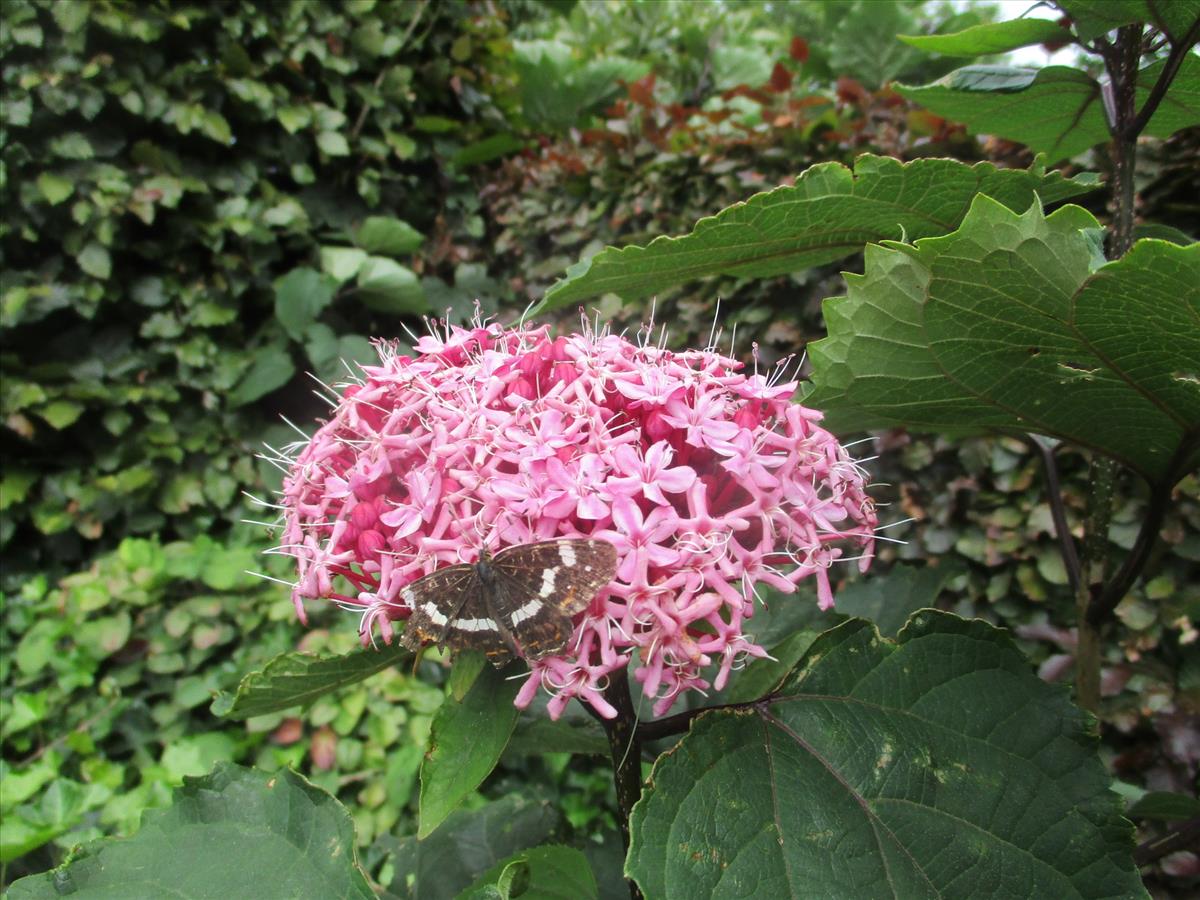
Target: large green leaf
x=1095 y=17
x=995 y=37
x=468 y=844
x=233 y=833
x=1056 y=110
x=465 y=744
x=296 y=679
x=828 y=214
x=936 y=766
x=540 y=873
x=1009 y=325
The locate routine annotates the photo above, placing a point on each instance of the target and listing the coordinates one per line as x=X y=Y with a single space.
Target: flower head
x=705 y=479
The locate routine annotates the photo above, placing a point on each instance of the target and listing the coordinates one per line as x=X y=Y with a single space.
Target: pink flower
x=706 y=480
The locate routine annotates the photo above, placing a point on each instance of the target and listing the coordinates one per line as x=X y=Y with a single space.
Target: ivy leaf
x=237 y=824
x=1056 y=110
x=997 y=37
x=920 y=768
x=544 y=873
x=300 y=296
x=828 y=214
x=297 y=679
x=1009 y=325
x=465 y=743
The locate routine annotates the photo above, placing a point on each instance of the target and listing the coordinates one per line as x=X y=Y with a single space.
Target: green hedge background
x=204 y=204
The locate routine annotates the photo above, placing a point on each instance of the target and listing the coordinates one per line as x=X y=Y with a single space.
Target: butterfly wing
x=434 y=601
x=538 y=588
x=449 y=608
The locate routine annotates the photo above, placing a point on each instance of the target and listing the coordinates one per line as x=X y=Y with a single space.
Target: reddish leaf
x=850 y=91
x=323 y=748
x=1051 y=46
x=799 y=50
x=742 y=90
x=642 y=91
x=781 y=78
x=289 y=731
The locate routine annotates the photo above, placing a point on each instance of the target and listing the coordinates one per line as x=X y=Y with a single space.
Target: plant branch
x=625 y=748
x=366 y=108
x=679 y=723
x=1182 y=838
x=1103 y=604
x=1058 y=511
x=1159 y=91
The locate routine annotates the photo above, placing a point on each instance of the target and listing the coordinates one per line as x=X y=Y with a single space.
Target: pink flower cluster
x=708 y=481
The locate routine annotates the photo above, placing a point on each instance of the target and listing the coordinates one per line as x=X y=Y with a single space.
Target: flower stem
x=625 y=748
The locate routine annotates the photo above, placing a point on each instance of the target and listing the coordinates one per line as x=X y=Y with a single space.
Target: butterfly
x=518 y=603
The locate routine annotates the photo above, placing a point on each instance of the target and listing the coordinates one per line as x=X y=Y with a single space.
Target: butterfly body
x=518 y=603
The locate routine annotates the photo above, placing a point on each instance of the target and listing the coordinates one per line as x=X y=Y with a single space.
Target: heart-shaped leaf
x=936 y=766
x=1013 y=324
x=234 y=833
x=828 y=214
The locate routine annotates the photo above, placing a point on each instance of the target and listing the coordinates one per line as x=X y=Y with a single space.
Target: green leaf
x=998 y=37
x=467 y=666
x=486 y=150
x=1056 y=110
x=921 y=768
x=215 y=126
x=95 y=261
x=465 y=743
x=297 y=679
x=828 y=214
x=1008 y=325
x=540 y=873
x=342 y=263
x=55 y=188
x=272 y=368
x=1162 y=233
x=468 y=844
x=238 y=825
x=387 y=236
x=61 y=413
x=70 y=17
x=386 y=286
x=1096 y=17
x=333 y=144
x=1165 y=806
x=435 y=124
x=300 y=296
x=889 y=599
x=536 y=733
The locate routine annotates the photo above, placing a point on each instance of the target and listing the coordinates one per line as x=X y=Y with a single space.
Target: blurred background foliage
x=204 y=204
